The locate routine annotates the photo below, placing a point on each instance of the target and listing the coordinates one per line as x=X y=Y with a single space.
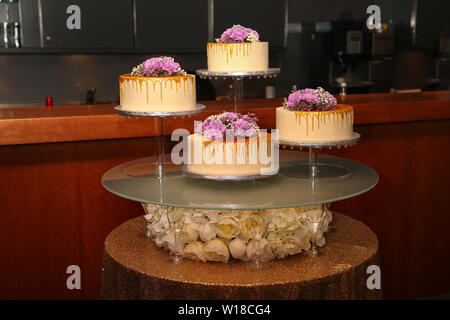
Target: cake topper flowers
x=310 y=100
x=158 y=67
x=216 y=126
x=238 y=34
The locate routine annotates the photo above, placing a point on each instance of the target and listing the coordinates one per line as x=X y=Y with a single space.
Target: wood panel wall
x=54 y=211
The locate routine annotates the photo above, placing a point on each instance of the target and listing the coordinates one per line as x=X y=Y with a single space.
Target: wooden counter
x=99 y=122
x=55 y=213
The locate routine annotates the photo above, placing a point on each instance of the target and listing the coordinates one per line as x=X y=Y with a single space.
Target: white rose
x=320 y=241
x=288 y=242
x=168 y=241
x=195 y=251
x=306 y=242
x=252 y=224
x=216 y=250
x=150 y=211
x=189 y=233
x=227 y=228
x=211 y=215
x=292 y=244
x=160 y=226
x=285 y=219
x=207 y=231
x=237 y=248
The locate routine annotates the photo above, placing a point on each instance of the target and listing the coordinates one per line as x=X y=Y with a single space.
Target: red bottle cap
x=49 y=101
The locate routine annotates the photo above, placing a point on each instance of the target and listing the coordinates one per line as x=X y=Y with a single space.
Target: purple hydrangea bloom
x=213 y=129
x=243 y=128
x=310 y=100
x=232 y=116
x=238 y=34
x=158 y=67
x=216 y=126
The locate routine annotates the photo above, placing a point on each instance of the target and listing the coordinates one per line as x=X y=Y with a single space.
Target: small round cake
x=238 y=50
x=312 y=115
x=231 y=144
x=157 y=85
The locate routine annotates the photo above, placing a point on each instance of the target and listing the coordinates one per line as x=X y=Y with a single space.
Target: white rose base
x=218 y=235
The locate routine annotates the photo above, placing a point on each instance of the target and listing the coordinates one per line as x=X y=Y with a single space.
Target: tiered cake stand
x=159 y=163
x=136 y=268
x=238 y=81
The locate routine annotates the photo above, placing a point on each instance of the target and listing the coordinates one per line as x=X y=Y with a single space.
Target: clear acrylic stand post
x=159 y=127
x=238 y=81
x=159 y=148
x=313 y=163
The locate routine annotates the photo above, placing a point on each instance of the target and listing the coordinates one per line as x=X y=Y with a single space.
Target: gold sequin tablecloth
x=134 y=268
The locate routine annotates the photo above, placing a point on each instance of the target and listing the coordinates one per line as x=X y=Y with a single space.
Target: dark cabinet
x=267 y=17
x=172 y=25
x=87 y=24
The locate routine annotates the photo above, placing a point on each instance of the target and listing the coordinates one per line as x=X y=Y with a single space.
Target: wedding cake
x=238 y=50
x=231 y=144
x=313 y=115
x=157 y=85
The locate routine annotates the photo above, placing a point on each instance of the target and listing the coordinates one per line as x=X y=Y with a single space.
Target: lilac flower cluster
x=229 y=123
x=158 y=67
x=238 y=34
x=310 y=100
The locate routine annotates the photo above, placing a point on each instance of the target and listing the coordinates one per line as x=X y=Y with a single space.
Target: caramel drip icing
x=341 y=116
x=161 y=84
x=230 y=49
x=247 y=140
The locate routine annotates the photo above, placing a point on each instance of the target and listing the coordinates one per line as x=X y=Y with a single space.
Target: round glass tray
x=198 y=109
x=136 y=181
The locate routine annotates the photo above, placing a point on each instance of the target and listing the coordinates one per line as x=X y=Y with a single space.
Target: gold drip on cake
x=230 y=49
x=161 y=84
x=340 y=116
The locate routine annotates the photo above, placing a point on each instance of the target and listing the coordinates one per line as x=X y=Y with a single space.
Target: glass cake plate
x=136 y=181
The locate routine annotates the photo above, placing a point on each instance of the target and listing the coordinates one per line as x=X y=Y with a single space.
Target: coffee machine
x=361 y=60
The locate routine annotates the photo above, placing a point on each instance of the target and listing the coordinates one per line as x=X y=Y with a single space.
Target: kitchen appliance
x=361 y=59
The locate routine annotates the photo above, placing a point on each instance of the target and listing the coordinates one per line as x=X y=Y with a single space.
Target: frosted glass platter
x=136 y=181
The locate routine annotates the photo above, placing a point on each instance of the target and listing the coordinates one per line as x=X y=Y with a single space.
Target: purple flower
x=213 y=129
x=158 y=67
x=216 y=126
x=231 y=116
x=238 y=34
x=243 y=128
x=310 y=100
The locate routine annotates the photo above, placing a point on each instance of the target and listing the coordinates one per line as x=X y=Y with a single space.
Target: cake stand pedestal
x=134 y=268
x=238 y=81
x=159 y=171
x=314 y=169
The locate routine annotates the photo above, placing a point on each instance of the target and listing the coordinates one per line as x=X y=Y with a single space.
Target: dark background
x=117 y=35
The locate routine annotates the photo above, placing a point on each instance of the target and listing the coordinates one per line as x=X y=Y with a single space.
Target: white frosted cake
x=313 y=116
x=238 y=50
x=157 y=85
x=245 y=151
